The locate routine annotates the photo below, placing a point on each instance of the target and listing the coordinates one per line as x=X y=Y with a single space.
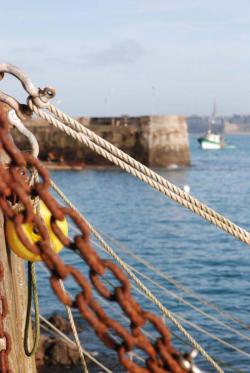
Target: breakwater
x=156 y=141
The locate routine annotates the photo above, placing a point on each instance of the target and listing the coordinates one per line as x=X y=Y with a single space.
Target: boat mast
x=213 y=117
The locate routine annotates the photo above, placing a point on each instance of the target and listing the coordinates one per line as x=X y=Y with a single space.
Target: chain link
x=160 y=355
x=4 y=336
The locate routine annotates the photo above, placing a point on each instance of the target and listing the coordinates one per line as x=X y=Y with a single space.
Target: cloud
x=37 y=49
x=123 y=53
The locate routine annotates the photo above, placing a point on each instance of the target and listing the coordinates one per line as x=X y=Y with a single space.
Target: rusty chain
x=161 y=356
x=4 y=336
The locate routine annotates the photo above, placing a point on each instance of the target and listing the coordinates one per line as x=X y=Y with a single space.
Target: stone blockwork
x=157 y=141
x=168 y=141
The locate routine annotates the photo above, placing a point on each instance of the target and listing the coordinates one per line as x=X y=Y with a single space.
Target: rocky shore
x=54 y=355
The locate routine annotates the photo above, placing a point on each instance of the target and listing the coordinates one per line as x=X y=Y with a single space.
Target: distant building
x=238 y=124
x=239 y=119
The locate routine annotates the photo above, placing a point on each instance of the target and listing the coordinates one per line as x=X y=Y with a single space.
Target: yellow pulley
x=19 y=249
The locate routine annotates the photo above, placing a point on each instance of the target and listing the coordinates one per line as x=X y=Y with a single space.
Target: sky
x=133 y=57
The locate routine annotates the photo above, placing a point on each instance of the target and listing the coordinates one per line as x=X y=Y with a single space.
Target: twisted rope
x=140 y=167
x=141 y=172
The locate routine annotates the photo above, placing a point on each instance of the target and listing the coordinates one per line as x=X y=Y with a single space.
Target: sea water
x=190 y=250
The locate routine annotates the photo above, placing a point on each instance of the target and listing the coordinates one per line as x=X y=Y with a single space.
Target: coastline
x=58 y=166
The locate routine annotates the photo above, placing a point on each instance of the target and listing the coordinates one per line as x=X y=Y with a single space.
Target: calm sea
x=185 y=247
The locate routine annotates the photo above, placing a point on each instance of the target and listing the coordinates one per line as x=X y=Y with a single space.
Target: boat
x=211 y=140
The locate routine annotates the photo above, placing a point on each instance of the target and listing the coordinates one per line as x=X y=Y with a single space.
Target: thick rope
x=32 y=288
x=156 y=182
x=149 y=295
x=131 y=161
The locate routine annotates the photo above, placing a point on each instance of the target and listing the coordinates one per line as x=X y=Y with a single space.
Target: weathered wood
x=14 y=287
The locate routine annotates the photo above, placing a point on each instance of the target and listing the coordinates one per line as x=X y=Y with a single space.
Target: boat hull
x=206 y=144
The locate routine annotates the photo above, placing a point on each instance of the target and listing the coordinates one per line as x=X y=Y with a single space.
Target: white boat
x=211 y=140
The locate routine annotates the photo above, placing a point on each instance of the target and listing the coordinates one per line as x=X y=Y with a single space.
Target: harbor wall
x=156 y=141
x=168 y=141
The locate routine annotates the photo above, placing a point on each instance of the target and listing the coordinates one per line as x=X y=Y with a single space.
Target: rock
x=53 y=351
x=60 y=323
x=40 y=354
x=58 y=352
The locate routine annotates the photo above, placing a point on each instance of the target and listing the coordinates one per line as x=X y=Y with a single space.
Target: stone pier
x=156 y=141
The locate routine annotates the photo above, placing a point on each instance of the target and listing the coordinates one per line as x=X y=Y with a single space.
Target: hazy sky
x=112 y=57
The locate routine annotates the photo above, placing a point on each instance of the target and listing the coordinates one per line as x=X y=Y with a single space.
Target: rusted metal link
x=161 y=356
x=5 y=340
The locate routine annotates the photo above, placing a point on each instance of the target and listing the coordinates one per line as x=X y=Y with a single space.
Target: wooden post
x=14 y=288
